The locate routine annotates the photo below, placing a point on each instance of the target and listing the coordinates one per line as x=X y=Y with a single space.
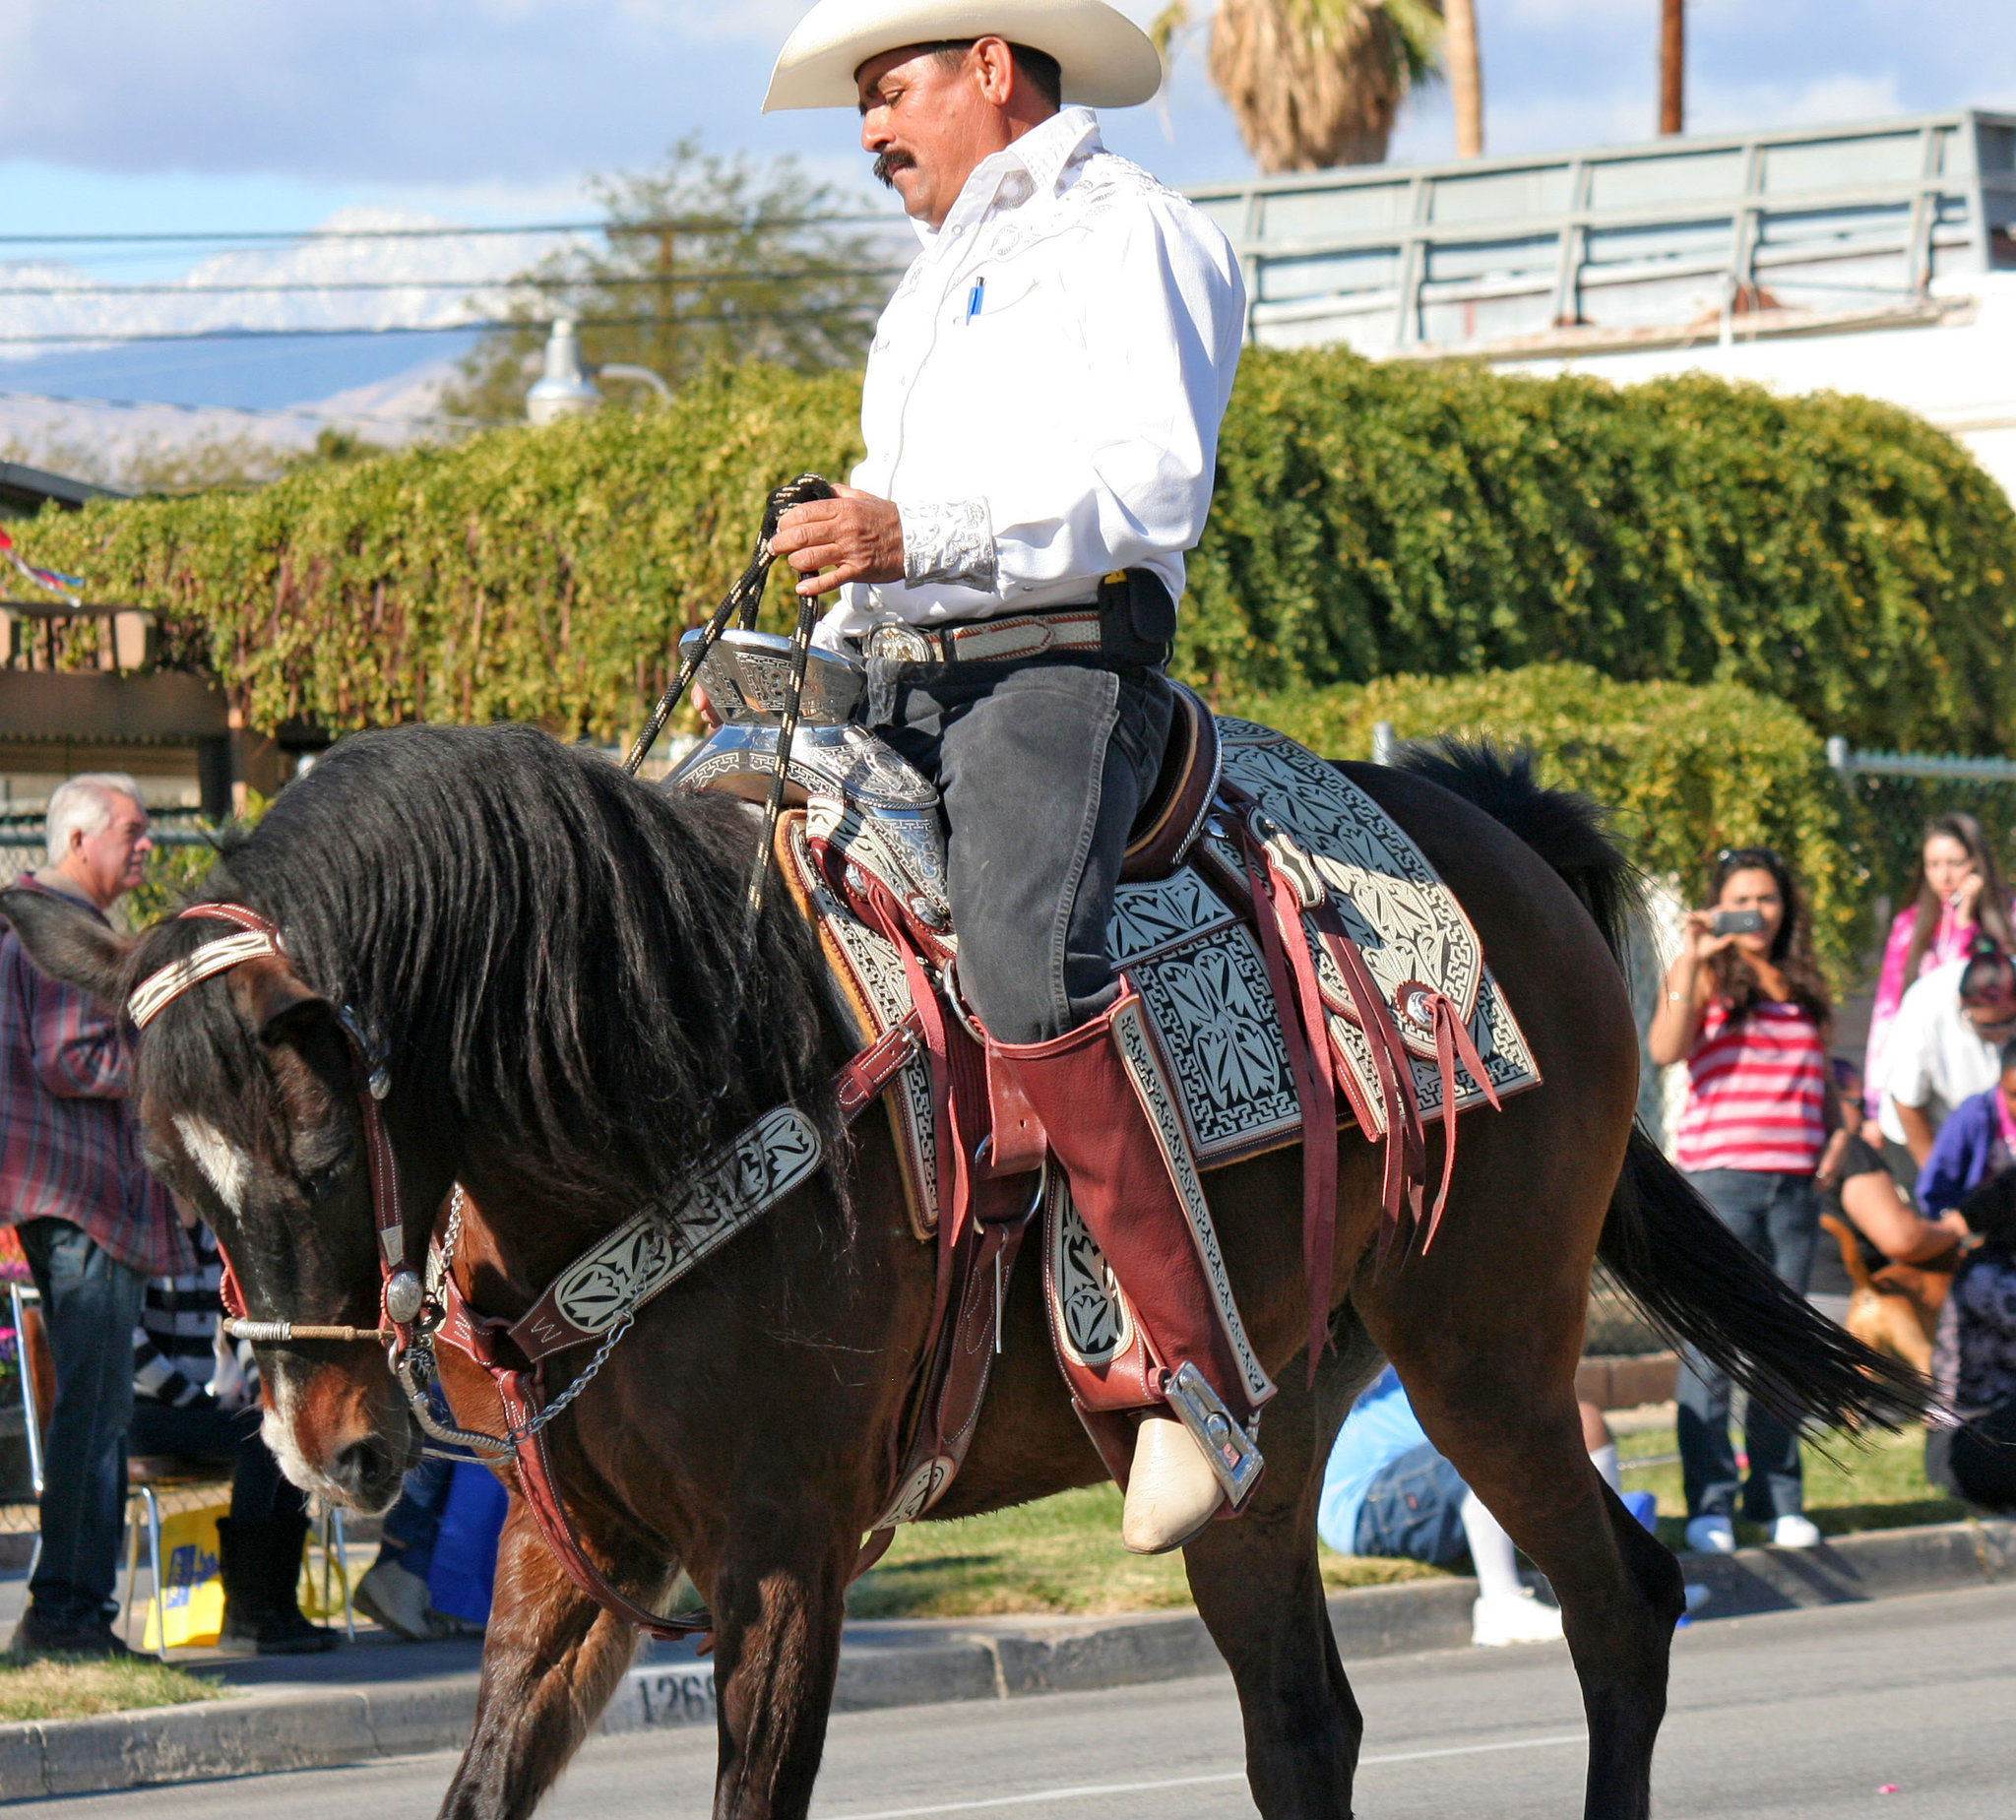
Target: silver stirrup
x=1231 y=1450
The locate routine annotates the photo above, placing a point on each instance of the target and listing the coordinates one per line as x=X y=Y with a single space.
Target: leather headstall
x=400 y=1288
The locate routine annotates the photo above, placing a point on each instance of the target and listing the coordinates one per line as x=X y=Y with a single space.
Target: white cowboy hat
x=1106 y=59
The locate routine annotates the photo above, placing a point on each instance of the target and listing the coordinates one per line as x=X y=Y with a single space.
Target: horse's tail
x=1700 y=1284
x=1693 y=1278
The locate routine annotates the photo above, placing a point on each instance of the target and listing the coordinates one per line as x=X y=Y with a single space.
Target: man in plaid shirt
x=93 y=1224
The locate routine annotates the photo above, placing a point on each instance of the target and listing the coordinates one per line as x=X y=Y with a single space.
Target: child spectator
x=1748 y=1013
x=1960 y=895
x=1978 y=1141
x=1388 y=1493
x=1974 y=1359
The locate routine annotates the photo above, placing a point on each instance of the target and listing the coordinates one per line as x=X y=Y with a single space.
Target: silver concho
x=402 y=1297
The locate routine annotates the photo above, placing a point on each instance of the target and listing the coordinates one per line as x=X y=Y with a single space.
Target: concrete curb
x=919 y=1664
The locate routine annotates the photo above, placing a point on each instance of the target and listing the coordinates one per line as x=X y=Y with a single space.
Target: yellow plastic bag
x=192 y=1590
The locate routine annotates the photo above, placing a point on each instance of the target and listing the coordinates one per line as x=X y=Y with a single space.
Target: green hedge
x=1370 y=519
x=1686 y=770
x=538 y=575
x=1378 y=518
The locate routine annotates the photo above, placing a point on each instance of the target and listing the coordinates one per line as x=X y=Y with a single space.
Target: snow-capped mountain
x=112 y=409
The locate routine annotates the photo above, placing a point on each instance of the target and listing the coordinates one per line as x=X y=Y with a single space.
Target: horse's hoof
x=1171 y=1490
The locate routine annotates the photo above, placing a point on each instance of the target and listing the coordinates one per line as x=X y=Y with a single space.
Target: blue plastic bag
x=464 y=1563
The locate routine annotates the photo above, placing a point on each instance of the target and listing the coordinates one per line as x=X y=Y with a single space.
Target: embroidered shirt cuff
x=948 y=542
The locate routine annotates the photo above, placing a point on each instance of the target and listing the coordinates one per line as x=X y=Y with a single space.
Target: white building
x=1874 y=258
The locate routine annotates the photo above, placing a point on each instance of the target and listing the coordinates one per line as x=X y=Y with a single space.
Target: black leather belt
x=1133 y=621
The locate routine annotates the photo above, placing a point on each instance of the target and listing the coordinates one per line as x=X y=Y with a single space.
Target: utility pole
x=1673 y=66
x=1466 y=76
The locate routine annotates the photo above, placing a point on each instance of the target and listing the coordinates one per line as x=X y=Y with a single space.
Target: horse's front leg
x=778 y=1594
x=551 y=1658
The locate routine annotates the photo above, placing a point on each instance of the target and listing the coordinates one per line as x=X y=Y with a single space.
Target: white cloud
x=493 y=105
x=1746 y=108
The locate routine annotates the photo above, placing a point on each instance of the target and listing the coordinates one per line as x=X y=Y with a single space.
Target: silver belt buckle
x=901 y=644
x=1231 y=1450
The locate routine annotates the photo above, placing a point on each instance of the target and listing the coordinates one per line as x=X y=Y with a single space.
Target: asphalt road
x=1806 y=1713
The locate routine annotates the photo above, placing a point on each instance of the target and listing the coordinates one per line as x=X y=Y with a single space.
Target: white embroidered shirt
x=1044 y=387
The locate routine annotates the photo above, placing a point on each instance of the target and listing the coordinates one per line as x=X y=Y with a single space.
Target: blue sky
x=128 y=114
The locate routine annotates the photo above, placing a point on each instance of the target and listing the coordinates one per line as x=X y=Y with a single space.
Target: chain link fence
x=1892 y=796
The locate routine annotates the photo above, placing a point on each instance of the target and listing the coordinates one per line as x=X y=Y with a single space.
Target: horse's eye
x=324 y=1182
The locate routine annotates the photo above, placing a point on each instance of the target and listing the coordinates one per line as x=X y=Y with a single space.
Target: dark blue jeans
x=1044 y=765
x=414 y=1522
x=90 y=1305
x=1414 y=1510
x=1777 y=1216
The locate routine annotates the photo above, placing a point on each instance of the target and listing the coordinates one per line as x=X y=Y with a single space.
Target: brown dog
x=1894 y=1309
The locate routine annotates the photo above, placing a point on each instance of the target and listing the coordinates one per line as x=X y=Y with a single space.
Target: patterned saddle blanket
x=1189 y=942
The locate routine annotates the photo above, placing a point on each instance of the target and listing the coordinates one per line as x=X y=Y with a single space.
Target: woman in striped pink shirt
x=1746 y=1009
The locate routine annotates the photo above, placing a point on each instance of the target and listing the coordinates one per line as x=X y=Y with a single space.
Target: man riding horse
x=1040 y=413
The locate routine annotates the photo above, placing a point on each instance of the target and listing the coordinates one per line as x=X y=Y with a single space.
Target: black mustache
x=889 y=163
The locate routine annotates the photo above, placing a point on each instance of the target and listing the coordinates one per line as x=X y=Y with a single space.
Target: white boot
x=1171 y=1490
x=1517 y=1617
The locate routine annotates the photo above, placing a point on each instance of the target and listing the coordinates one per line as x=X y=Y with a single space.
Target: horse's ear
x=67 y=942
x=274 y=1000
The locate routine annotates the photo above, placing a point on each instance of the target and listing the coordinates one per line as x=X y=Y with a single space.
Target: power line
x=534 y=282
x=679 y=224
x=472 y=325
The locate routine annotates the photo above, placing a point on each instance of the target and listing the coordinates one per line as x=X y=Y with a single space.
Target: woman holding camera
x=1746 y=1010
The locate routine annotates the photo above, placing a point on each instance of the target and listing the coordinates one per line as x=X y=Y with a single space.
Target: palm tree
x=1313 y=83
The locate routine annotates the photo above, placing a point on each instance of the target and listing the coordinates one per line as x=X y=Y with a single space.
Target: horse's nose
x=368 y=1474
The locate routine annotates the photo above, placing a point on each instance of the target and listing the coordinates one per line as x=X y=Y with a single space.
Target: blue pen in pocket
x=973 y=296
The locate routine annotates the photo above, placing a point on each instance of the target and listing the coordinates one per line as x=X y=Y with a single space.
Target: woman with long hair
x=1746 y=1009
x=1961 y=894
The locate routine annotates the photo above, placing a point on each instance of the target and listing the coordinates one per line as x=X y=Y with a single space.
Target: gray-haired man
x=93 y=1224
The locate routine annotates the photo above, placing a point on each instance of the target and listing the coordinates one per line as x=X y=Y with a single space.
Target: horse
x=552 y=961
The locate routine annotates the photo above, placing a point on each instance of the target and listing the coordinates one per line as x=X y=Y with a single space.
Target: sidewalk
x=379 y=1698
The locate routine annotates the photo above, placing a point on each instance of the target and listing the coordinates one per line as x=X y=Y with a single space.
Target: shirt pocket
x=996 y=295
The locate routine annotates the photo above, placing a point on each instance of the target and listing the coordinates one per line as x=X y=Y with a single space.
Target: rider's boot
x=1114 y=1120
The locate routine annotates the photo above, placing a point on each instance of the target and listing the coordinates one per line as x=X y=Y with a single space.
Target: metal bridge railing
x=1759 y=229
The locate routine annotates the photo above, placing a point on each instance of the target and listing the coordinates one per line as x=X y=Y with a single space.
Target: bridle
x=400 y=1293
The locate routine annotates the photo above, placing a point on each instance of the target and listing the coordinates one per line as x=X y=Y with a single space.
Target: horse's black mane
x=539 y=943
